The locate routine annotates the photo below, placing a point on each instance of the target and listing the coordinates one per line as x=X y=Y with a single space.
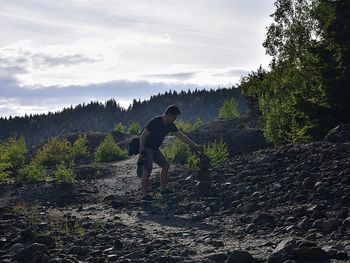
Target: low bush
x=109 y=151
x=79 y=149
x=32 y=172
x=217 y=152
x=65 y=175
x=54 y=152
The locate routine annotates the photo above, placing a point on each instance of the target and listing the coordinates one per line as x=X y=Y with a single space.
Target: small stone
x=308 y=183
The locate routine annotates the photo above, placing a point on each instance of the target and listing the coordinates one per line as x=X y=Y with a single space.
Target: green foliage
x=16 y=151
x=251 y=86
x=109 y=151
x=65 y=175
x=134 y=128
x=79 y=148
x=58 y=150
x=32 y=172
x=119 y=128
x=306 y=92
x=54 y=151
x=5 y=165
x=229 y=109
x=192 y=161
x=183 y=126
x=199 y=123
x=12 y=157
x=177 y=151
x=4 y=173
x=217 y=152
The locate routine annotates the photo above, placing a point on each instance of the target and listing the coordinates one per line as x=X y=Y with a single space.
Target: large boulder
x=299 y=250
x=239 y=140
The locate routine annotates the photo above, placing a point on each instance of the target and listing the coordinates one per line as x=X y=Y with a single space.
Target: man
x=150 y=140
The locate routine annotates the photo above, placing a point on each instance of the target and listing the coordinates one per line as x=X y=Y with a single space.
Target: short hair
x=172 y=110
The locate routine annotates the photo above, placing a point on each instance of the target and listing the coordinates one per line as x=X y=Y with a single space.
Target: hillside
x=265 y=204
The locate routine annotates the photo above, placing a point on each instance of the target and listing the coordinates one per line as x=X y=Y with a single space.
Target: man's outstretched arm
x=187 y=140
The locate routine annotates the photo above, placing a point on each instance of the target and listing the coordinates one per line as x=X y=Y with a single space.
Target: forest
x=102 y=117
x=306 y=90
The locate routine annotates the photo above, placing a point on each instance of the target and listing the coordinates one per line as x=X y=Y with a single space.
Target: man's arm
x=185 y=139
x=143 y=136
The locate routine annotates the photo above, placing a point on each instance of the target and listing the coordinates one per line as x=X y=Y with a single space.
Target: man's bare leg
x=164 y=177
x=144 y=181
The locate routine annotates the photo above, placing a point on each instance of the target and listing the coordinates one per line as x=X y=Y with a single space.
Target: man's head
x=171 y=113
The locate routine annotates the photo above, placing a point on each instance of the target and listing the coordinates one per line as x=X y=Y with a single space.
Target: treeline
x=306 y=91
x=102 y=117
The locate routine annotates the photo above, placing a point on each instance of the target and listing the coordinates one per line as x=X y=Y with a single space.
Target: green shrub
x=32 y=172
x=65 y=175
x=5 y=165
x=134 y=128
x=79 y=148
x=54 y=152
x=217 y=152
x=109 y=151
x=199 y=123
x=192 y=162
x=119 y=128
x=12 y=157
x=229 y=109
x=177 y=151
x=183 y=126
x=16 y=150
x=4 y=173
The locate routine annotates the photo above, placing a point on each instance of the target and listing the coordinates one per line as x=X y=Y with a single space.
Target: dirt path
x=156 y=222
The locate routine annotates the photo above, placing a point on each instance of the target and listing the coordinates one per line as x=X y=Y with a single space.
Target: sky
x=54 y=54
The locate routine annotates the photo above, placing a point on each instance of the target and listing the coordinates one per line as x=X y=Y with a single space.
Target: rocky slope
x=275 y=204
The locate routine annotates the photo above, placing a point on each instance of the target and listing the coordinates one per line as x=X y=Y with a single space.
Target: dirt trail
x=119 y=201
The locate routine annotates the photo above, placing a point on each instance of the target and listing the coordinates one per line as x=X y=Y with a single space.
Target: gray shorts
x=154 y=156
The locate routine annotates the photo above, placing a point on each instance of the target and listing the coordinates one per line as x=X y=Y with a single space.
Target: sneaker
x=165 y=192
x=147 y=198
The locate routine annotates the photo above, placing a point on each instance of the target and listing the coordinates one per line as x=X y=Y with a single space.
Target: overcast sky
x=54 y=54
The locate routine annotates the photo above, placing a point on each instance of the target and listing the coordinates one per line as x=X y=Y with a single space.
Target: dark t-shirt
x=158 y=130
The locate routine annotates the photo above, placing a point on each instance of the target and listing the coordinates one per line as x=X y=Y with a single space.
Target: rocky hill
x=265 y=204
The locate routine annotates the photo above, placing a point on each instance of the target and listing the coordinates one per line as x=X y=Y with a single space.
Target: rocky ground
x=276 y=204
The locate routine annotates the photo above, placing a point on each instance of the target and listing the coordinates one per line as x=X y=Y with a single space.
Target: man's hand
x=142 y=157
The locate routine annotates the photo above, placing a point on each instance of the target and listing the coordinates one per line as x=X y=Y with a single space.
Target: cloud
x=17 y=61
x=233 y=73
x=43 y=60
x=179 y=76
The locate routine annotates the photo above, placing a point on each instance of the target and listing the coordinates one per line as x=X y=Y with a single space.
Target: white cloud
x=88 y=42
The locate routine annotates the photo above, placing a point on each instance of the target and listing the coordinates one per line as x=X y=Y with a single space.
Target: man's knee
x=146 y=173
